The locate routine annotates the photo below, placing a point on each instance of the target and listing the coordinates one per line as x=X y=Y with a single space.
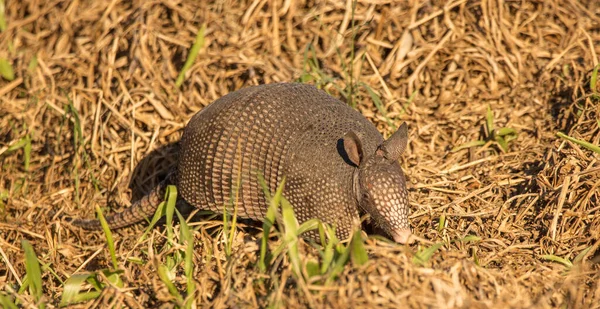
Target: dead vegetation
x=94 y=96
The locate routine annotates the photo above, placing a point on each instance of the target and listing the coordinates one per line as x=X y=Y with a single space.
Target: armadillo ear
x=353 y=147
x=395 y=145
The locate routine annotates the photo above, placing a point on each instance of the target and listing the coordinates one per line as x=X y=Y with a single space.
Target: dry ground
x=116 y=63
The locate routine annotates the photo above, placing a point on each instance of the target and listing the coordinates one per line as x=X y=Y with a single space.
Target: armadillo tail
x=141 y=210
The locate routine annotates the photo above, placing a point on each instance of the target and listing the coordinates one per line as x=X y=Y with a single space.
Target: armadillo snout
x=386 y=199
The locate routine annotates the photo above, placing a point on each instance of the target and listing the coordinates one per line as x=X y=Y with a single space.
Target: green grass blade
x=322 y=234
x=358 y=252
x=27 y=152
x=159 y=213
x=174 y=256
x=78 y=142
x=377 y=101
x=136 y=260
x=170 y=203
x=163 y=273
x=94 y=282
x=34 y=273
x=410 y=99
x=226 y=229
x=72 y=290
x=77 y=131
x=585 y=144
x=2 y=16
x=3 y=199
x=109 y=239
x=279 y=249
x=509 y=138
x=33 y=64
x=198 y=44
x=306 y=76
x=468 y=145
x=7 y=302
x=352 y=56
x=290 y=235
x=582 y=254
x=313 y=62
x=309 y=225
x=557 y=259
x=71 y=111
x=114 y=277
x=25 y=143
x=338 y=266
x=235 y=202
x=16 y=146
x=290 y=222
x=83 y=297
x=474 y=256
x=329 y=251
x=6 y=70
x=425 y=255
x=46 y=267
x=442 y=223
x=312 y=268
x=24 y=286
x=502 y=143
x=186 y=236
x=470 y=238
x=506 y=131
x=269 y=221
x=594 y=79
x=489 y=120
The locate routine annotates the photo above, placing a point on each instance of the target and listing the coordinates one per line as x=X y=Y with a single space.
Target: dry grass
x=116 y=63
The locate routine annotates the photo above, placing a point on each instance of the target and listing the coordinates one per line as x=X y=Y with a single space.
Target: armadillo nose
x=402 y=236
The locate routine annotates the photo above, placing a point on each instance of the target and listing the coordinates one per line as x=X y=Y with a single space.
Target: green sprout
x=500 y=137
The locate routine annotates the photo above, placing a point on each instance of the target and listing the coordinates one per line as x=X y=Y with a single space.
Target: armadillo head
x=379 y=183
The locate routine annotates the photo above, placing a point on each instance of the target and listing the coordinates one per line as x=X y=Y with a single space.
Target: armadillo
x=337 y=165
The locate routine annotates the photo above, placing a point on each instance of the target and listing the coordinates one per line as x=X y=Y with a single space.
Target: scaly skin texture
x=336 y=164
